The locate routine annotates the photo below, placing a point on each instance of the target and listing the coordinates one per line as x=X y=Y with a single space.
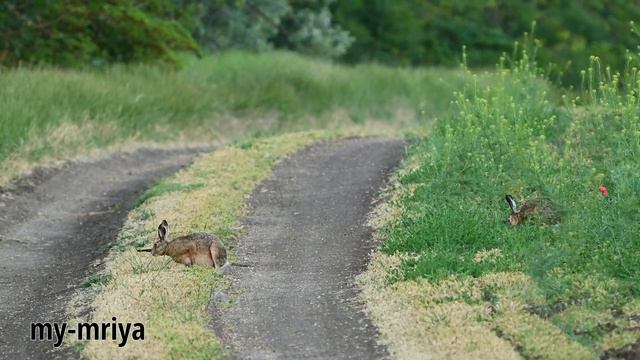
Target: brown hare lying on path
x=192 y=249
x=541 y=210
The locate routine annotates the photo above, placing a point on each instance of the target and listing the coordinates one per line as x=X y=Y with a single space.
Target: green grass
x=514 y=138
x=95 y=279
x=50 y=112
x=163 y=188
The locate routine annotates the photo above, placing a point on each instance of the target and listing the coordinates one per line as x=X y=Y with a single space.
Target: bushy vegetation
x=434 y=31
x=77 y=32
x=515 y=137
x=304 y=26
x=405 y=32
x=80 y=33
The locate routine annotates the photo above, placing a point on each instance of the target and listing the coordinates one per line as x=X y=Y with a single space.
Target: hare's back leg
x=185 y=259
x=203 y=258
x=214 y=252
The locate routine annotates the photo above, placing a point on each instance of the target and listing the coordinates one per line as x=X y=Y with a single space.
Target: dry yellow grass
x=453 y=319
x=412 y=329
x=71 y=141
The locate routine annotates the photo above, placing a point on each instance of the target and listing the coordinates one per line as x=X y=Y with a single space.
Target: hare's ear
x=163 y=230
x=512 y=203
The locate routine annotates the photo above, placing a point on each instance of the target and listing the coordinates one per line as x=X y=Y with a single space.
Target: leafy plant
x=75 y=32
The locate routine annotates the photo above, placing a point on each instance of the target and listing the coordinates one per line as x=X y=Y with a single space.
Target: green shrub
x=76 y=32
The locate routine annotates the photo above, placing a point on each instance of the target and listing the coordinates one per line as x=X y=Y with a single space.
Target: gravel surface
x=306 y=240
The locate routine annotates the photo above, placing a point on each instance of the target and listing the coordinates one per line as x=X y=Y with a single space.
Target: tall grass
x=208 y=98
x=513 y=138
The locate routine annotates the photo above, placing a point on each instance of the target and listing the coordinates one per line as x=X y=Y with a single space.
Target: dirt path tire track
x=307 y=240
x=52 y=231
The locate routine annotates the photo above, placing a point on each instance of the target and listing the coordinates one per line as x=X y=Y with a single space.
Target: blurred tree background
x=396 y=32
x=412 y=32
x=80 y=32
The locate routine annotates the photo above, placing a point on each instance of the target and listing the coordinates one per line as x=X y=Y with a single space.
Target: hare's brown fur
x=198 y=248
x=541 y=210
x=193 y=249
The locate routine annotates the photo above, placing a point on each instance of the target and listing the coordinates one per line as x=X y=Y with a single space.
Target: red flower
x=603 y=190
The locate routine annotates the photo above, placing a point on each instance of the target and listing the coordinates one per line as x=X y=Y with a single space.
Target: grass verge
x=51 y=114
x=452 y=279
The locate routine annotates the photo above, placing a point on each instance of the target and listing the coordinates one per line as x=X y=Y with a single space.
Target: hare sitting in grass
x=541 y=210
x=197 y=248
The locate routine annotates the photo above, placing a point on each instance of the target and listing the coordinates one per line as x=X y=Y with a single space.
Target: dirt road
x=306 y=239
x=53 y=228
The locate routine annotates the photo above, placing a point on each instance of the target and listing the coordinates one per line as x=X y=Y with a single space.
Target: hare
x=538 y=209
x=197 y=248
